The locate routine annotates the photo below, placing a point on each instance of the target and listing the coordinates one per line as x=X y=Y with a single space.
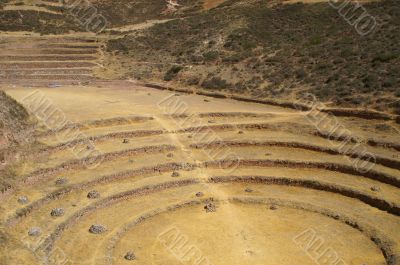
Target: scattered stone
x=34 y=231
x=211 y=121
x=189 y=136
x=97 y=229
x=74 y=205
x=336 y=216
x=240 y=132
x=175 y=174
x=199 y=194
x=248 y=190
x=57 y=212
x=206 y=100
x=375 y=188
x=170 y=155
x=210 y=207
x=125 y=141
x=54 y=85
x=93 y=194
x=273 y=207
x=23 y=200
x=61 y=181
x=250 y=252
x=130 y=256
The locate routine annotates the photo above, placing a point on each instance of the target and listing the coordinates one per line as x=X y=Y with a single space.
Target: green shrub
x=371 y=82
x=215 y=83
x=384 y=57
x=211 y=56
x=300 y=73
x=193 y=81
x=172 y=72
x=389 y=82
x=315 y=40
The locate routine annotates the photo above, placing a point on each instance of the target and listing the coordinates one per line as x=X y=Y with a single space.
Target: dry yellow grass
x=262 y=208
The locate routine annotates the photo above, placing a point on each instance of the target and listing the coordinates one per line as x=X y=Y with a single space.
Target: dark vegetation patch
x=45 y=23
x=172 y=72
x=215 y=83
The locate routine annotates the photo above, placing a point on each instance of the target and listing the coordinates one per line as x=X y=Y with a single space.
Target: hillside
x=272 y=51
x=56 y=17
x=262 y=49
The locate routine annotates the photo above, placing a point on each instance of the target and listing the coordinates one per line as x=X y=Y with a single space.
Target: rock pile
x=61 y=181
x=210 y=207
x=23 y=200
x=199 y=194
x=175 y=174
x=130 y=256
x=97 y=229
x=93 y=194
x=57 y=212
x=34 y=231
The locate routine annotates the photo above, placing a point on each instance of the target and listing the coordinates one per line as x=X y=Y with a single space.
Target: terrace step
x=48 y=59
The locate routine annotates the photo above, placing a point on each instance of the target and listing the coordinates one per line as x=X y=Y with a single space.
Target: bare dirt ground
x=212 y=3
x=182 y=178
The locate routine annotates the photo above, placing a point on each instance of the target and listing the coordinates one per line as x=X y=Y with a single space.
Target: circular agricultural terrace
x=189 y=179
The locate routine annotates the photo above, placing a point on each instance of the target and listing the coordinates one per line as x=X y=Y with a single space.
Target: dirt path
x=139 y=26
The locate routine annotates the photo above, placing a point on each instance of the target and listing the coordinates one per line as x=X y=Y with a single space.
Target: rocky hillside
x=264 y=49
x=272 y=50
x=56 y=17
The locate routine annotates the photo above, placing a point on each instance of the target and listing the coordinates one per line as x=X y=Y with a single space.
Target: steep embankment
x=15 y=128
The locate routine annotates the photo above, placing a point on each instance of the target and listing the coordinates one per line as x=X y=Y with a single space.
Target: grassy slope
x=278 y=52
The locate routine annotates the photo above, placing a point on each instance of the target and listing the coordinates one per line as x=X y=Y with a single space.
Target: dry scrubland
x=268 y=50
x=206 y=175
